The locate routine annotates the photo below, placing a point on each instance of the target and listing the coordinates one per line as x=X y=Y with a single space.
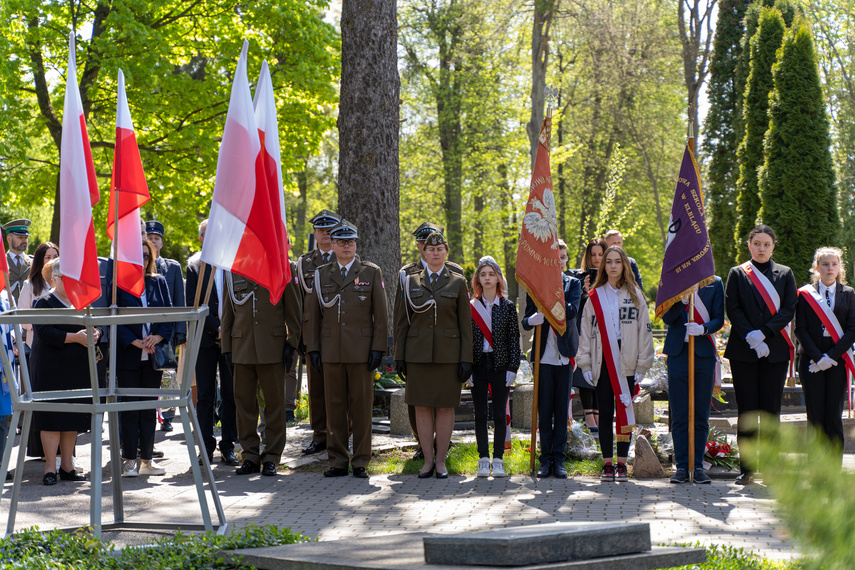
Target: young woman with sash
x=760 y=300
x=496 y=353
x=615 y=352
x=825 y=327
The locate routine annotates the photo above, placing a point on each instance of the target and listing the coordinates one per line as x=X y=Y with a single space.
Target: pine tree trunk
x=368 y=125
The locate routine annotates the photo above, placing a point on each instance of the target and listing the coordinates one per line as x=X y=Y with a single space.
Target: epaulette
x=370 y=264
x=410 y=266
x=454 y=268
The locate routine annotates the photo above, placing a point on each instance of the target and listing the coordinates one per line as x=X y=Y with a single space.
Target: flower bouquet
x=719 y=452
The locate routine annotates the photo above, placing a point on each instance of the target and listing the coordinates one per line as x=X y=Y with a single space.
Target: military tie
x=326 y=258
x=18 y=263
x=343 y=273
x=433 y=278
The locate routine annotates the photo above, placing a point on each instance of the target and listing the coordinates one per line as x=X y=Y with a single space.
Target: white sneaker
x=151 y=468
x=129 y=468
x=484 y=467
x=498 y=468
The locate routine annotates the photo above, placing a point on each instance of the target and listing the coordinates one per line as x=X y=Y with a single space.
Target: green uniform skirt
x=432 y=385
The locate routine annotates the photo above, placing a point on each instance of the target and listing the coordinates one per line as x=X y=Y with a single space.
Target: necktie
x=17 y=261
x=827 y=297
x=326 y=258
x=343 y=272
x=433 y=280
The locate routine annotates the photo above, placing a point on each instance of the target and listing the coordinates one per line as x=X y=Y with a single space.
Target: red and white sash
x=702 y=315
x=482 y=317
x=772 y=300
x=829 y=321
x=624 y=414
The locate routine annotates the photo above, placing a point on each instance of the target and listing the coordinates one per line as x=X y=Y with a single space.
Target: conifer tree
x=764 y=44
x=719 y=137
x=797 y=182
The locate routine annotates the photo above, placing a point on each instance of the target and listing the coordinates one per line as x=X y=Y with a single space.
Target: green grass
x=730 y=558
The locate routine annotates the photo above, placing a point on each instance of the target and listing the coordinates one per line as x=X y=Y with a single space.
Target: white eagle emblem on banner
x=543 y=224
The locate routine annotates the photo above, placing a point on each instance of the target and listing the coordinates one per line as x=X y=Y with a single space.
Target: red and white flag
x=129 y=186
x=78 y=192
x=242 y=235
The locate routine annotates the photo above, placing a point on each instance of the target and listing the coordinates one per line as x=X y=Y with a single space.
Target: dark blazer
x=506 y=337
x=634 y=266
x=171 y=270
x=211 y=326
x=809 y=328
x=678 y=315
x=568 y=343
x=747 y=312
x=157 y=295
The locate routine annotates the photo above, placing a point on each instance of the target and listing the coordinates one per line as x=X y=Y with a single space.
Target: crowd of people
x=333 y=313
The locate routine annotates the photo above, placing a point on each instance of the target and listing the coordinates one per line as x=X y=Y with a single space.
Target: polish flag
x=129 y=185
x=78 y=192
x=268 y=133
x=243 y=234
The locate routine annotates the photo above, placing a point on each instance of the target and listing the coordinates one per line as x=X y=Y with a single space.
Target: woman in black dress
x=822 y=369
x=760 y=300
x=60 y=362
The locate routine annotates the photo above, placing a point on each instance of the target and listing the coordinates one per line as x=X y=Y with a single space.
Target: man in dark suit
x=354 y=324
x=210 y=357
x=17 y=238
x=555 y=370
x=677 y=349
x=260 y=339
x=171 y=270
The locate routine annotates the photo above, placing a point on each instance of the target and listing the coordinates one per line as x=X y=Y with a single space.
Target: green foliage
x=720 y=139
x=764 y=45
x=58 y=549
x=797 y=182
x=729 y=558
x=612 y=214
x=178 y=61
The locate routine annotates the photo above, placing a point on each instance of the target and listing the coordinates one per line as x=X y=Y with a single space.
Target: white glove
x=536 y=319
x=813 y=368
x=639 y=377
x=510 y=378
x=470 y=382
x=762 y=350
x=588 y=375
x=825 y=363
x=754 y=338
x=695 y=329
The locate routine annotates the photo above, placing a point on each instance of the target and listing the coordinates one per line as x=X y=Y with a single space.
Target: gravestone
x=646 y=464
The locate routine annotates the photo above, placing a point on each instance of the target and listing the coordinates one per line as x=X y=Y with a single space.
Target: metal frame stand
x=105 y=401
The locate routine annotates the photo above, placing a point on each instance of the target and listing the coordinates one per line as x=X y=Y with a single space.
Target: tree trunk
x=510 y=233
x=478 y=238
x=448 y=111
x=544 y=12
x=368 y=125
x=298 y=238
x=696 y=37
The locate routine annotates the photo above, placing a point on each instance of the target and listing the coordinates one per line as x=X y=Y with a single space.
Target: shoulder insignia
x=453 y=267
x=370 y=264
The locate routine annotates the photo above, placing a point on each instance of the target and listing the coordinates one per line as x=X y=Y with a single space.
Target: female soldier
x=615 y=352
x=433 y=350
x=760 y=299
x=825 y=327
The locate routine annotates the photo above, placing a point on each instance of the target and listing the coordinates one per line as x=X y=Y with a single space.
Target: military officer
x=260 y=339
x=421 y=233
x=323 y=253
x=347 y=308
x=17 y=237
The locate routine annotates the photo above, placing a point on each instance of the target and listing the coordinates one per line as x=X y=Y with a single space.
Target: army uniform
x=347 y=326
x=255 y=332
x=306 y=266
x=18 y=271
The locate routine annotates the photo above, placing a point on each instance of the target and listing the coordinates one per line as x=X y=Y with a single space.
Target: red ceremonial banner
x=538 y=268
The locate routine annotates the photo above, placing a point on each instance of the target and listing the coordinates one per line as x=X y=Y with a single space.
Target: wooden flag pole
x=691 y=144
x=536 y=349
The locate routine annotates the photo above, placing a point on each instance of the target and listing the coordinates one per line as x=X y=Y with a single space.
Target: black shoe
x=166 y=426
x=290 y=417
x=419 y=454
x=559 y=470
x=247 y=467
x=426 y=474
x=49 y=479
x=545 y=470
x=156 y=453
x=229 y=457
x=71 y=475
x=745 y=479
x=314 y=447
x=210 y=460
x=360 y=472
x=442 y=475
x=268 y=469
x=701 y=478
x=680 y=476
x=336 y=472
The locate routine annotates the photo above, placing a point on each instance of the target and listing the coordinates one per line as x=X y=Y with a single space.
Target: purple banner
x=688 y=255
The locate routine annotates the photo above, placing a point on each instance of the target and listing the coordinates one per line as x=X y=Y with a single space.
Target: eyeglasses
x=346 y=242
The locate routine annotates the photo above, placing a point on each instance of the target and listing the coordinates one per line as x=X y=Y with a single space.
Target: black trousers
x=482 y=377
x=606 y=403
x=553 y=403
x=138 y=426
x=759 y=387
x=206 y=399
x=825 y=393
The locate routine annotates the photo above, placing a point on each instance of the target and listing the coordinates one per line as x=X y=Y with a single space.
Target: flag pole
x=691 y=144
x=536 y=349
